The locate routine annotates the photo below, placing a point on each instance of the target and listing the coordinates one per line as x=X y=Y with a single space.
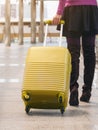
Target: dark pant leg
x=88 y=45
x=74 y=49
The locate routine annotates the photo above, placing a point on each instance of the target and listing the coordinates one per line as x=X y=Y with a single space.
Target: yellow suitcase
x=46 y=78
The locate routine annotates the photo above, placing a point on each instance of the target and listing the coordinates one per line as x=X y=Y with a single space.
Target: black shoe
x=85 y=96
x=74 y=97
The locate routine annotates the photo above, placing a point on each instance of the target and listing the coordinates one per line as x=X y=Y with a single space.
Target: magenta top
x=65 y=3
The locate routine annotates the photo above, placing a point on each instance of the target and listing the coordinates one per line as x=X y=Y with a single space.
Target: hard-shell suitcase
x=46 y=78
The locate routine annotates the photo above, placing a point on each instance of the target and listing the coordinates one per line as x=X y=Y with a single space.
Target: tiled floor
x=12 y=114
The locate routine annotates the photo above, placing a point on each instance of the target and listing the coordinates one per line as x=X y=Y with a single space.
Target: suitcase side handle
x=49 y=22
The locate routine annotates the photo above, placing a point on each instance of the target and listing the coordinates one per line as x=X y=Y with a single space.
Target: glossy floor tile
x=12 y=113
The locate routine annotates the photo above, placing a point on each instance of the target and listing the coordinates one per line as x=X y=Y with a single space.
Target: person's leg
x=88 y=45
x=74 y=49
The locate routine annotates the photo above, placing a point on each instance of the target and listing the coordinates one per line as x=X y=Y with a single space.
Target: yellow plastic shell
x=47 y=77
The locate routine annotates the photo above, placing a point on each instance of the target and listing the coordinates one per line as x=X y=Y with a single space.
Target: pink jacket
x=65 y=3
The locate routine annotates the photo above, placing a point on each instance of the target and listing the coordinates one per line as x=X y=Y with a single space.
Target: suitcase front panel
x=46 y=68
x=46 y=77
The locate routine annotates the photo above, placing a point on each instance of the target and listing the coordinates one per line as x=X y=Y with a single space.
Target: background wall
x=50 y=8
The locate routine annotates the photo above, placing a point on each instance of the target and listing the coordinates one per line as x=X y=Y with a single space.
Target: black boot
x=85 y=96
x=74 y=97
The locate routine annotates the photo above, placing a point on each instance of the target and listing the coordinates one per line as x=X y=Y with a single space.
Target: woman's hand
x=56 y=19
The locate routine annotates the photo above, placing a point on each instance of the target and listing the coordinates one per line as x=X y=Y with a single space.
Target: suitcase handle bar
x=49 y=22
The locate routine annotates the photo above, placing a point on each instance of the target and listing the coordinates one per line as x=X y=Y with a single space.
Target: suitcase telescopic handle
x=49 y=22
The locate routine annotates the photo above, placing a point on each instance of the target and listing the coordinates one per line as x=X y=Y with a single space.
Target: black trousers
x=88 y=46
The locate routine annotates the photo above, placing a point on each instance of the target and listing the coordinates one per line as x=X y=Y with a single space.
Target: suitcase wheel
x=27 y=109
x=62 y=110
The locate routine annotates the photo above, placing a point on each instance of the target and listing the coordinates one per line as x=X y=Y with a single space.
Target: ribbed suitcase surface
x=46 y=77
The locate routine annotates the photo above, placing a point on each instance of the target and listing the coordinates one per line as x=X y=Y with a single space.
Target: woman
x=81 y=20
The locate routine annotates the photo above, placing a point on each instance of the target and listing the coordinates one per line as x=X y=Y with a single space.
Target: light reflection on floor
x=12 y=114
